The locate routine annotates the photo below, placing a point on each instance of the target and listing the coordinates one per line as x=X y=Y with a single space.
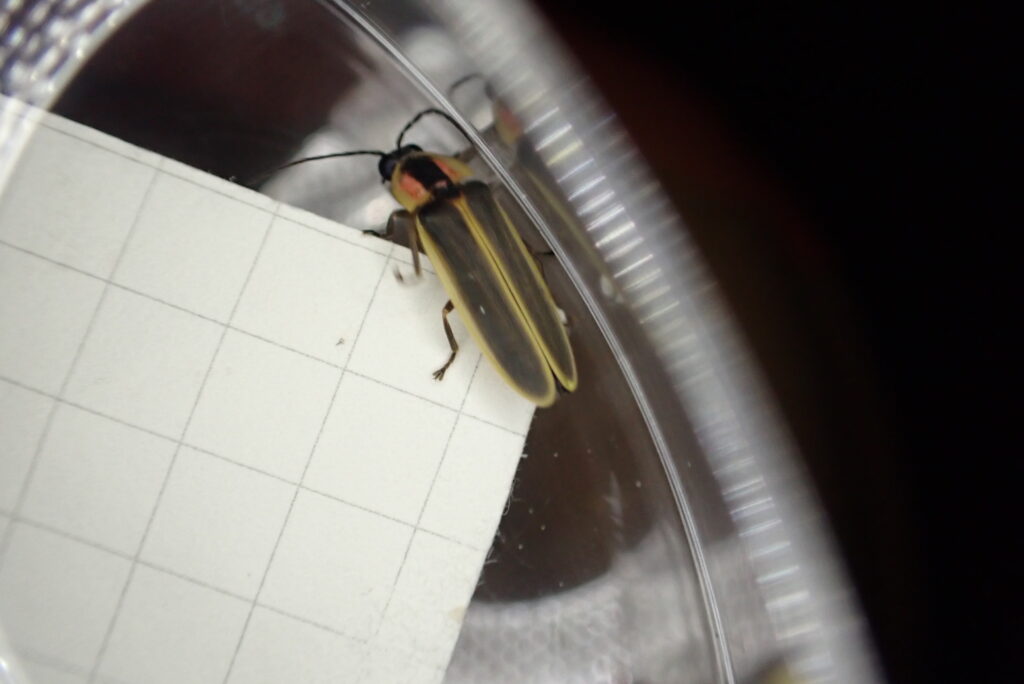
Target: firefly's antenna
x=266 y=174
x=463 y=81
x=436 y=112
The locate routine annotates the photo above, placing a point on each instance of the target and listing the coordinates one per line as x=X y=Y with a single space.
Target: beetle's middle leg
x=536 y=255
x=439 y=373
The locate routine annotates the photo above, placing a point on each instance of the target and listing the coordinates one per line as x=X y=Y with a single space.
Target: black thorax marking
x=430 y=176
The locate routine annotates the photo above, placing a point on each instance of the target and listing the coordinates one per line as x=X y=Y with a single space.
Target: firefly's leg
x=536 y=258
x=439 y=373
x=567 y=322
x=414 y=247
x=397 y=216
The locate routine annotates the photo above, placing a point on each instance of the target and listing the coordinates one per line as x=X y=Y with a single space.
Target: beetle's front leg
x=396 y=217
x=403 y=220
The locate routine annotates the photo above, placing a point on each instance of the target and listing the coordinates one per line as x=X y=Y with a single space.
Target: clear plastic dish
x=660 y=529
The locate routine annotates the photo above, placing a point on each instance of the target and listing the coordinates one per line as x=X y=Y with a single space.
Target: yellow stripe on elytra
x=467 y=316
x=566 y=376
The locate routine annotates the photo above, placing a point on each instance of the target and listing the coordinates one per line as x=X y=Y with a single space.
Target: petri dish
x=659 y=527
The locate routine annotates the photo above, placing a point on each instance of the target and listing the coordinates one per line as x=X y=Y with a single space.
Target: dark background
x=844 y=170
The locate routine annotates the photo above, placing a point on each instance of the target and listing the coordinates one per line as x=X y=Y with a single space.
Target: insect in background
x=489 y=274
x=534 y=171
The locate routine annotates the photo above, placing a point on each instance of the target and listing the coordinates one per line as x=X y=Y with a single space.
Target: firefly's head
x=389 y=161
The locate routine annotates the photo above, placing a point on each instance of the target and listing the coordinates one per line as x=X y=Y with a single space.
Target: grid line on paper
x=145 y=156
x=150 y=159
x=458 y=411
x=298 y=221
x=204 y=317
x=174 y=457
x=19 y=501
x=145 y=159
x=434 y=402
x=312 y=623
x=53 y=529
x=426 y=499
x=81 y=407
x=298 y=486
x=33 y=656
x=121 y=554
x=221 y=457
x=153 y=161
x=191 y=580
